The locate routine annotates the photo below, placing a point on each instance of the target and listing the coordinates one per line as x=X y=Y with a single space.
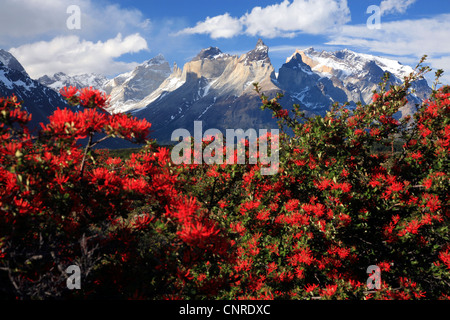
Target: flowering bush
x=145 y=228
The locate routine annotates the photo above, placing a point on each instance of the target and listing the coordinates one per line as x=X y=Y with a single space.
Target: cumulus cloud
x=395 y=6
x=72 y=55
x=39 y=37
x=33 y=20
x=223 y=26
x=285 y=19
x=396 y=39
x=288 y=19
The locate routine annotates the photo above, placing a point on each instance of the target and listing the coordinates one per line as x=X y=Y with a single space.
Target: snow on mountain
x=217 y=87
x=356 y=74
x=128 y=89
x=311 y=90
x=125 y=90
x=60 y=80
x=344 y=63
x=214 y=87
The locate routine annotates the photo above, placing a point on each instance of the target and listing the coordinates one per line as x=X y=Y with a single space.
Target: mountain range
x=217 y=88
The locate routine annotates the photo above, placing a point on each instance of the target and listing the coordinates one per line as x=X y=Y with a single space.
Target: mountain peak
x=261 y=46
x=157 y=60
x=259 y=53
x=208 y=53
x=8 y=60
x=296 y=61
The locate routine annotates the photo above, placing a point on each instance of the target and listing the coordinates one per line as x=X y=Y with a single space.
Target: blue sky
x=115 y=35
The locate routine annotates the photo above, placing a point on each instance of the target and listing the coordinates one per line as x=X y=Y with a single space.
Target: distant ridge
x=217 y=87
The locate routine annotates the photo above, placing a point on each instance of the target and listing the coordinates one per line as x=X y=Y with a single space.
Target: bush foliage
x=140 y=227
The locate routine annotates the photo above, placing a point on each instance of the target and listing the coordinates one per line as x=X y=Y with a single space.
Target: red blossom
x=69 y=92
x=197 y=233
x=91 y=98
x=444 y=256
x=330 y=290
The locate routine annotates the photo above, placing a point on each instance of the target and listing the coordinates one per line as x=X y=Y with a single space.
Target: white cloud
x=405 y=39
x=223 y=26
x=41 y=40
x=32 y=20
x=395 y=6
x=285 y=19
x=72 y=55
x=288 y=19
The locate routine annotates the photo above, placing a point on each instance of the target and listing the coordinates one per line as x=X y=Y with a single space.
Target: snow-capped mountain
x=128 y=89
x=125 y=90
x=37 y=99
x=213 y=87
x=345 y=75
x=60 y=80
x=308 y=88
x=217 y=88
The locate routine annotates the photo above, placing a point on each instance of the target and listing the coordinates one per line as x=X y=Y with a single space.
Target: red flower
x=91 y=98
x=322 y=185
x=263 y=215
x=432 y=202
x=271 y=267
x=248 y=206
x=444 y=256
x=70 y=94
x=128 y=127
x=237 y=227
x=345 y=218
x=282 y=113
x=384 y=266
x=311 y=287
x=329 y=290
x=374 y=183
x=375 y=97
x=344 y=186
x=197 y=233
x=428 y=183
x=396 y=186
x=302 y=255
x=416 y=155
x=424 y=131
x=141 y=221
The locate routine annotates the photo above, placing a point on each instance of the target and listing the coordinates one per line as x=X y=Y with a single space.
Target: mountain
x=125 y=90
x=342 y=76
x=60 y=80
x=128 y=89
x=37 y=99
x=308 y=88
x=217 y=88
x=213 y=87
